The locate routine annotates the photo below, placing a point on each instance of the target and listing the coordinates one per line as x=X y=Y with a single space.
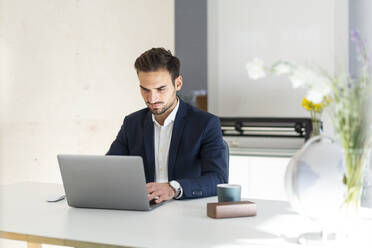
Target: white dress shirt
x=162 y=139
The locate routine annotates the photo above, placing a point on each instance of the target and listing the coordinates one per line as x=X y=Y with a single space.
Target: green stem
x=355 y=161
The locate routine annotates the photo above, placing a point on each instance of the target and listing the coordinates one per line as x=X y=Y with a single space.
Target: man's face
x=158 y=90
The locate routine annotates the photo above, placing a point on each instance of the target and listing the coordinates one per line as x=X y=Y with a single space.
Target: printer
x=265 y=136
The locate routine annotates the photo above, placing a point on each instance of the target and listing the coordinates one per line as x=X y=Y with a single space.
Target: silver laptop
x=109 y=182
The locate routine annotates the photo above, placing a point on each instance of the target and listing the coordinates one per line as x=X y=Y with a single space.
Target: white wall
x=67 y=77
x=312 y=32
x=259 y=177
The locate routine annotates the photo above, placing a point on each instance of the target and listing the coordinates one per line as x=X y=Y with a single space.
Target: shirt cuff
x=180 y=194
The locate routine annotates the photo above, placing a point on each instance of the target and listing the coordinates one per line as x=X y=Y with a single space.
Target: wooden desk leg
x=33 y=245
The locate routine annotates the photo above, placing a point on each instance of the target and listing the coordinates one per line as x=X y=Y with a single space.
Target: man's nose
x=153 y=97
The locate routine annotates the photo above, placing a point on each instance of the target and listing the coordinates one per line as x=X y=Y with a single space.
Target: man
x=181 y=146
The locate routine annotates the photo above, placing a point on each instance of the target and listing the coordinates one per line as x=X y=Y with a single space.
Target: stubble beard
x=164 y=109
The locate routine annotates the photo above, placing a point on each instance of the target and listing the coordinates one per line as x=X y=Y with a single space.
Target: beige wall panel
x=67 y=77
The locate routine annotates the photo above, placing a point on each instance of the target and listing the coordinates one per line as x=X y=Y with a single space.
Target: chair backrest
x=227 y=153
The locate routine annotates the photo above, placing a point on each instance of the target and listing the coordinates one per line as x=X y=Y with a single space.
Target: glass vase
x=355 y=160
x=316 y=127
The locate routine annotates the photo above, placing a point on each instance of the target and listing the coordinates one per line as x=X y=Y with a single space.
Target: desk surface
x=24 y=211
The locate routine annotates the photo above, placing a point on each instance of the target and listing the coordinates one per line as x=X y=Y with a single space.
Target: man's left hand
x=161 y=190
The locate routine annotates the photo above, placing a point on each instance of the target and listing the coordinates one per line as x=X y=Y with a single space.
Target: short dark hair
x=157 y=59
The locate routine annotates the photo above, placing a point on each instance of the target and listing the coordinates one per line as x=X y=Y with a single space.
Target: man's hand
x=161 y=190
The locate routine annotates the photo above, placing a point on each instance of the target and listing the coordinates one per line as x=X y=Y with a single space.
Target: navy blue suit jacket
x=197 y=158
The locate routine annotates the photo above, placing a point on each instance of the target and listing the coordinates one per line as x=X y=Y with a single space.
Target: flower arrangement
x=315 y=110
x=349 y=103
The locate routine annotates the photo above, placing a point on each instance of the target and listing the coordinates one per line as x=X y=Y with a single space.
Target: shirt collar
x=171 y=117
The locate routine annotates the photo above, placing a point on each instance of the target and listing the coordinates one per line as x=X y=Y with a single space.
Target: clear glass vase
x=324 y=182
x=316 y=128
x=313 y=183
x=356 y=161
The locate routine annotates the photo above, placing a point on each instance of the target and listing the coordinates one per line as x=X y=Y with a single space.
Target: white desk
x=25 y=215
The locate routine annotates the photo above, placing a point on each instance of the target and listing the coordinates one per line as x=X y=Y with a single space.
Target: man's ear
x=178 y=83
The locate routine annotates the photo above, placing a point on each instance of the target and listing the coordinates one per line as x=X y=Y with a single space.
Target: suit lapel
x=149 y=147
x=178 y=126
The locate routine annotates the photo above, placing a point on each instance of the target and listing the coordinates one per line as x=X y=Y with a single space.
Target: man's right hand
x=161 y=190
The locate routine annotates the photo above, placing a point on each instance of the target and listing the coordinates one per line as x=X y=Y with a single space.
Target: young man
x=181 y=146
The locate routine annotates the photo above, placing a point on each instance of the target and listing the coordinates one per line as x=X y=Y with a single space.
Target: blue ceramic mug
x=228 y=192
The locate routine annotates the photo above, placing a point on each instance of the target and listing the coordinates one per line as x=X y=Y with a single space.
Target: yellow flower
x=310 y=106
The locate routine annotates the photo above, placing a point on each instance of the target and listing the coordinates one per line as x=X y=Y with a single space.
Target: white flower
x=256 y=68
x=296 y=81
x=314 y=96
x=317 y=92
x=300 y=76
x=305 y=77
x=317 y=84
x=282 y=68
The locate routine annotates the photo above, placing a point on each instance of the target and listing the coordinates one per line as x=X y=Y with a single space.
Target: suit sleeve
x=213 y=162
x=120 y=144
